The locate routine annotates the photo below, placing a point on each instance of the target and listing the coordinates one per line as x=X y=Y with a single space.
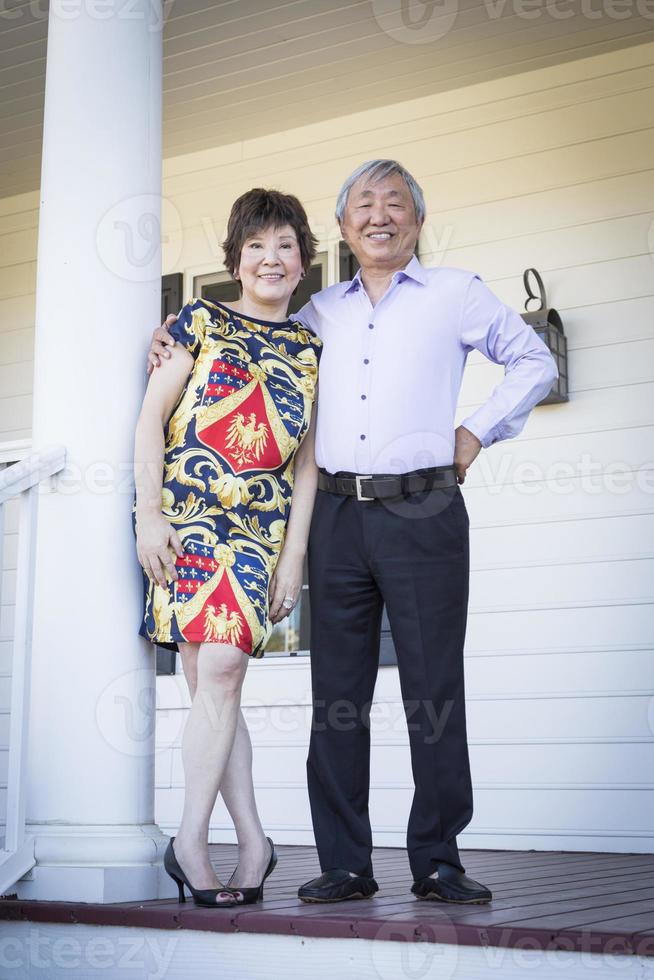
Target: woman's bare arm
x=155 y=535
x=287 y=578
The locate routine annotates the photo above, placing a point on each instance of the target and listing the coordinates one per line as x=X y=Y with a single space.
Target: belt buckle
x=357 y=480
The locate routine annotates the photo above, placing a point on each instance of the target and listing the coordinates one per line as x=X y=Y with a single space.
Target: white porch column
x=91 y=745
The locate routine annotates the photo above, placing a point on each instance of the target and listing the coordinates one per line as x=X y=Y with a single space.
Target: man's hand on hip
x=466 y=449
x=161 y=340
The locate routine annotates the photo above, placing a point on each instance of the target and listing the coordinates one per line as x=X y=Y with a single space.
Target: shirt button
x=371 y=326
x=362 y=437
x=363 y=398
x=366 y=360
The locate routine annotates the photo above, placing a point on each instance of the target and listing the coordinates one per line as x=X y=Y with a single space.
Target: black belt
x=379 y=487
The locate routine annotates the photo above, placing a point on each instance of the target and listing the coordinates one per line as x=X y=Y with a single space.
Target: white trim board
x=184 y=954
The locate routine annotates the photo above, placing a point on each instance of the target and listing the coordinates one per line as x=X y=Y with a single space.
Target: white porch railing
x=22 y=479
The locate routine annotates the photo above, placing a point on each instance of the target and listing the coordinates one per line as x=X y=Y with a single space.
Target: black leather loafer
x=451 y=885
x=337 y=885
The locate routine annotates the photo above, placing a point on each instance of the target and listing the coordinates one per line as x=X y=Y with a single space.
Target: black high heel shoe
x=201 y=896
x=254 y=894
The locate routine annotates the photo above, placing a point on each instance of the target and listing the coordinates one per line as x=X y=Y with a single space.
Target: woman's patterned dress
x=228 y=473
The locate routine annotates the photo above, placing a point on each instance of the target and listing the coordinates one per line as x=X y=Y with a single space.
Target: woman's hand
x=155 y=539
x=286 y=582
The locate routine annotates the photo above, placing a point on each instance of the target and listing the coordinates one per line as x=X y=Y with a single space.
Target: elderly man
x=390 y=525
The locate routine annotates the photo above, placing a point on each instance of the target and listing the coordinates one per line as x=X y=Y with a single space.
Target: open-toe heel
x=201 y=896
x=248 y=896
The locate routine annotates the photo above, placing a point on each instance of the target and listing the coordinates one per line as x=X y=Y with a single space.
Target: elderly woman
x=224 y=445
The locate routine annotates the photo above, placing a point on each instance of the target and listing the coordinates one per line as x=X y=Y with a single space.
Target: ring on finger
x=288 y=602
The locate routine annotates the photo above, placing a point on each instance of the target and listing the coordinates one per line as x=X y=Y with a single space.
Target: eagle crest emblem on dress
x=246 y=430
x=222 y=626
x=247 y=438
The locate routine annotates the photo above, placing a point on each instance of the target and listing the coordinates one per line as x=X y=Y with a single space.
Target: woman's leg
x=206 y=747
x=237 y=790
x=189 y=656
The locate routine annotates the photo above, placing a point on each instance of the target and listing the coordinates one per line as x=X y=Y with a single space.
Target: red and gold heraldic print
x=228 y=473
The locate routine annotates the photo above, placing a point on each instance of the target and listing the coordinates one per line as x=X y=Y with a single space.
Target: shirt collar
x=413 y=270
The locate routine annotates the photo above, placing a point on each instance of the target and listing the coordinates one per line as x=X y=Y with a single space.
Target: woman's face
x=271 y=265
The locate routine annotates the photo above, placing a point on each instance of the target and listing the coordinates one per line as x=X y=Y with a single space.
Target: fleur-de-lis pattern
x=228 y=473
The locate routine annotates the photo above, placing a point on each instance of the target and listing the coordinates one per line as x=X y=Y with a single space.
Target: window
x=348 y=265
x=171 y=294
x=165 y=660
x=291 y=636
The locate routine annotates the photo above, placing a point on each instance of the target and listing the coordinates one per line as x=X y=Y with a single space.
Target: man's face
x=379 y=223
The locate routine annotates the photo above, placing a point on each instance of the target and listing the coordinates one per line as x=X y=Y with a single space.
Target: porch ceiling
x=241 y=68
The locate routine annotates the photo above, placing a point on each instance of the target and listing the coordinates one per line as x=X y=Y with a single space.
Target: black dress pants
x=411 y=555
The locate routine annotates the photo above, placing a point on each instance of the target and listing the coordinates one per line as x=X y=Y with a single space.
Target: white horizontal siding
x=8 y=551
x=553 y=168
x=527 y=764
x=18 y=223
x=315 y=60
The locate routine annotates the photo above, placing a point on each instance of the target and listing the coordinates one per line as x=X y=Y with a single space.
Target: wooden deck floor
x=585 y=902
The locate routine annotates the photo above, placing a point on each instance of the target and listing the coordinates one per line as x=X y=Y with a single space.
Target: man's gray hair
x=377 y=170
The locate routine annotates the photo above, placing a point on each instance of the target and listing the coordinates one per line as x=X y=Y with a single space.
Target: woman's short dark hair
x=259 y=209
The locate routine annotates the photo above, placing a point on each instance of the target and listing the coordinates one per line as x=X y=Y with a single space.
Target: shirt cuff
x=485 y=435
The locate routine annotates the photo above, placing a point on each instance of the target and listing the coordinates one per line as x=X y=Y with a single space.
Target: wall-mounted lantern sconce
x=547 y=324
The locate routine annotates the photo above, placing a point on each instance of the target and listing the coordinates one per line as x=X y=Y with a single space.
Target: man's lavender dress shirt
x=390 y=375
